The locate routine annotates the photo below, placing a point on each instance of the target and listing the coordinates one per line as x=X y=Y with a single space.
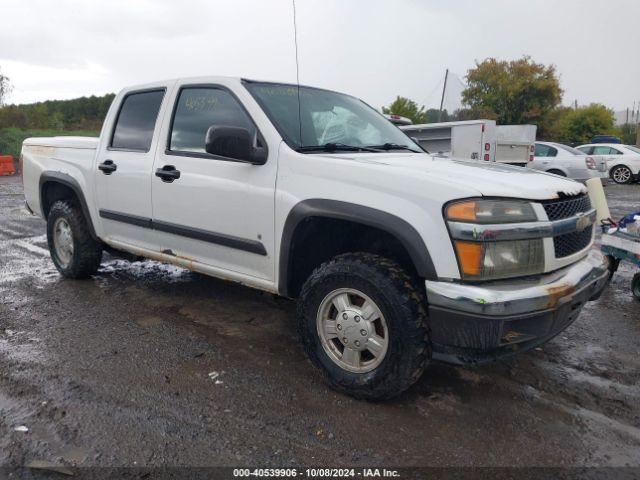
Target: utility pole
x=444 y=88
x=637 y=123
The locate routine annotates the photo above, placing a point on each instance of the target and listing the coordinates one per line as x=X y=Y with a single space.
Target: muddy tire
x=635 y=286
x=369 y=301
x=75 y=253
x=613 y=265
x=621 y=174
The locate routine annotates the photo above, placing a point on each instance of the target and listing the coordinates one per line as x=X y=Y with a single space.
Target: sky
x=373 y=49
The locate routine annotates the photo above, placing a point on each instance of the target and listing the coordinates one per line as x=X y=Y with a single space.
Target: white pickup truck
x=395 y=257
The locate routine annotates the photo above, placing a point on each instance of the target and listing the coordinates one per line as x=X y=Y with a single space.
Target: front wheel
x=621 y=174
x=363 y=322
x=75 y=253
x=635 y=286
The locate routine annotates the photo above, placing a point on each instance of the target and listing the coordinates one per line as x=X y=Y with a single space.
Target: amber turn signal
x=469 y=256
x=461 y=211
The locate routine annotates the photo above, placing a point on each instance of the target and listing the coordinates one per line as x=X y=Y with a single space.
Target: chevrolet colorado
x=395 y=257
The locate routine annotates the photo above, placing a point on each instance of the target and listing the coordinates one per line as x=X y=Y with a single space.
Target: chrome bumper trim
x=511 y=297
x=474 y=232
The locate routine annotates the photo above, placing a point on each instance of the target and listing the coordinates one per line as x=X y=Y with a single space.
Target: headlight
x=490 y=211
x=492 y=260
x=495 y=260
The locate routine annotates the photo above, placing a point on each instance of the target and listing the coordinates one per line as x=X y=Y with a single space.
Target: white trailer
x=464 y=140
x=477 y=140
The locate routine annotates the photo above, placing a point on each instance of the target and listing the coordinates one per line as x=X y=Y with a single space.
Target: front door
x=216 y=211
x=124 y=167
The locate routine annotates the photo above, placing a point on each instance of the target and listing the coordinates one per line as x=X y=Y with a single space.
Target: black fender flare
x=396 y=226
x=72 y=183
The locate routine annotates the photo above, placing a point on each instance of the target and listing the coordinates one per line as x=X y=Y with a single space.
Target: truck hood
x=488 y=179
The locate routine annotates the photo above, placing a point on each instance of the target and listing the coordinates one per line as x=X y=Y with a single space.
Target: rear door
x=606 y=154
x=219 y=212
x=123 y=170
x=544 y=157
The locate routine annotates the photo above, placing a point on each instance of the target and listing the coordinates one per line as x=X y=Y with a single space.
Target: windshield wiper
x=335 y=147
x=392 y=146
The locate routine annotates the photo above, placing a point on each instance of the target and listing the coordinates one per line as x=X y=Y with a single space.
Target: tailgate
x=513 y=152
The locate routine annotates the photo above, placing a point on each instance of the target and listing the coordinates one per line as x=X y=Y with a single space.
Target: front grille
x=566 y=207
x=573 y=242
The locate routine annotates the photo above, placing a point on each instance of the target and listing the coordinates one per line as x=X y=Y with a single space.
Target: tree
x=580 y=124
x=627 y=132
x=5 y=88
x=512 y=92
x=406 y=108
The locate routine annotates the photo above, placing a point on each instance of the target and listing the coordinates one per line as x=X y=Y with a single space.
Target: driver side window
x=199 y=108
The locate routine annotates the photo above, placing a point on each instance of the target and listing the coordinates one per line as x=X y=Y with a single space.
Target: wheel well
x=318 y=239
x=618 y=166
x=53 y=191
x=557 y=171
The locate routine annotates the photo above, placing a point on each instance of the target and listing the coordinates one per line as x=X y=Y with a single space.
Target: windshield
x=327 y=120
x=633 y=149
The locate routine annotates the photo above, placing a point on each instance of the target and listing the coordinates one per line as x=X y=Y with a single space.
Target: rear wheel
x=75 y=253
x=363 y=322
x=621 y=174
x=557 y=172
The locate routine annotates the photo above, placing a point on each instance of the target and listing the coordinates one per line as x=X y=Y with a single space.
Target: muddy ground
x=148 y=364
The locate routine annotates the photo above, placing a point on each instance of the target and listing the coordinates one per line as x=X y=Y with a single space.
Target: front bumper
x=483 y=322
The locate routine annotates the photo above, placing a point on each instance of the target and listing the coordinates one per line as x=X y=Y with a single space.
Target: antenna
x=295 y=40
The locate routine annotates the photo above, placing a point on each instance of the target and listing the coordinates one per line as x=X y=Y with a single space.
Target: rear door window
x=545 y=150
x=136 y=121
x=604 y=150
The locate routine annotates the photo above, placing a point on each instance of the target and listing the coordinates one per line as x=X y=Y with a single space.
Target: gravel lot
x=151 y=365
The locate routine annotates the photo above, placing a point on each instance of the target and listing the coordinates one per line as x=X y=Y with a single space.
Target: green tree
x=406 y=108
x=5 y=88
x=580 y=124
x=512 y=92
x=627 y=133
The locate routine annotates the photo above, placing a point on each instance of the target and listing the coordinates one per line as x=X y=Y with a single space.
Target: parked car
x=395 y=256
x=605 y=139
x=566 y=161
x=623 y=161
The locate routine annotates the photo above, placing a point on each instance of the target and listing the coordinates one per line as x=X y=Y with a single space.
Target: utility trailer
x=464 y=140
x=516 y=144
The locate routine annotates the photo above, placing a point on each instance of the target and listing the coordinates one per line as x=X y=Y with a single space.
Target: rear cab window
x=136 y=121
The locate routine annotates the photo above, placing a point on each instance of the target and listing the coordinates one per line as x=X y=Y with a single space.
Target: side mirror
x=235 y=143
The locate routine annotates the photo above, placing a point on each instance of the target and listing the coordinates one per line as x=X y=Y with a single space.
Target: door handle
x=168 y=173
x=107 y=167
